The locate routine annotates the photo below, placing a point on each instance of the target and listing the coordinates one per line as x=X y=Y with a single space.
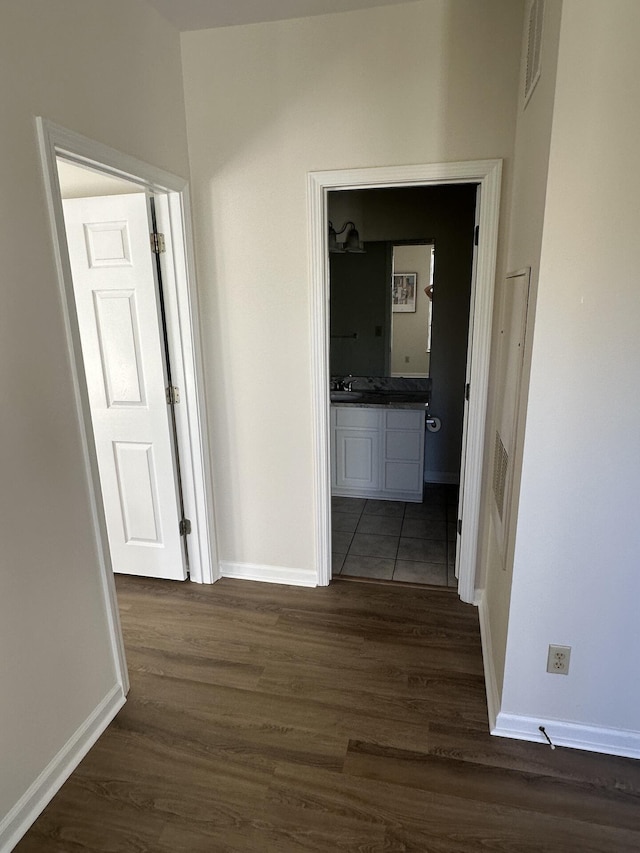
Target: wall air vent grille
x=500 y=466
x=534 y=47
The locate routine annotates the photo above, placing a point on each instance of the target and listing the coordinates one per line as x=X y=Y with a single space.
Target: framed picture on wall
x=404 y=292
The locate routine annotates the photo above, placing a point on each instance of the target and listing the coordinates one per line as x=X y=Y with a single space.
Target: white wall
x=428 y=81
x=533 y=137
x=575 y=577
x=112 y=72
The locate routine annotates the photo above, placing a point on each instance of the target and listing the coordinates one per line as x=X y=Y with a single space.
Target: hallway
x=277 y=719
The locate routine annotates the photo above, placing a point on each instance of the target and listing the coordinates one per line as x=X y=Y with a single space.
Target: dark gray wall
x=360 y=305
x=446 y=214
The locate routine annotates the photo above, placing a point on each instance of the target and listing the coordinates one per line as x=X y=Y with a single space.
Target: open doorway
x=119 y=213
x=171 y=213
x=119 y=284
x=486 y=177
x=399 y=321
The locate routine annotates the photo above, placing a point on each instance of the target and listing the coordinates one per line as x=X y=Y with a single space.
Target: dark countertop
x=382 y=399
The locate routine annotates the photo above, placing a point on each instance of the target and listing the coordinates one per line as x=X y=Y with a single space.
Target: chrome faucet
x=345 y=384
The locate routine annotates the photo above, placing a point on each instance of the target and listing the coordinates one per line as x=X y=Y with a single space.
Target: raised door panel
x=119 y=342
x=138 y=492
x=403 y=445
x=405 y=477
x=358 y=459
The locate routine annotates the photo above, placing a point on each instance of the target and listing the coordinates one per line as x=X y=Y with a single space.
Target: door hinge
x=467 y=391
x=173 y=395
x=459 y=527
x=476 y=235
x=185 y=527
x=158 y=245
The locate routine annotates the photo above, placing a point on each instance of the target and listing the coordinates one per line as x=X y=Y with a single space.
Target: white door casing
x=487 y=175
x=467 y=387
x=117 y=307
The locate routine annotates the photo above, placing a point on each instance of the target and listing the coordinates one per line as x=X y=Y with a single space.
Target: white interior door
x=117 y=306
x=467 y=388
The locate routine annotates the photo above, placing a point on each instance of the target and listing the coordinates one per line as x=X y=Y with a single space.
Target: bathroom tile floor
x=397 y=541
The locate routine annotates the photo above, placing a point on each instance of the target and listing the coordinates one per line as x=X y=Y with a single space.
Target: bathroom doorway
x=399 y=322
x=484 y=176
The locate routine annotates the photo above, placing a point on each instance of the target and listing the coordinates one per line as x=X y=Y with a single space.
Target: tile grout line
x=355 y=530
x=395 y=559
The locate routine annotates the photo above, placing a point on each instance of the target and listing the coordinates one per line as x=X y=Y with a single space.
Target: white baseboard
x=491 y=683
x=268 y=574
x=56 y=773
x=563 y=733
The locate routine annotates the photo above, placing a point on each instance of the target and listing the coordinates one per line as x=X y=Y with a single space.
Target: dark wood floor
x=353 y=718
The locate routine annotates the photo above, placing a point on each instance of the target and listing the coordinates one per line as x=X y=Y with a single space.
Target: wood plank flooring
x=273 y=719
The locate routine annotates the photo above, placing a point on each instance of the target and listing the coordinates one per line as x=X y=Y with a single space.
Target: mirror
x=411 y=310
x=381 y=310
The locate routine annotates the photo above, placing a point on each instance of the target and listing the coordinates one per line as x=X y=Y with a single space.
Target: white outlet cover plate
x=558 y=659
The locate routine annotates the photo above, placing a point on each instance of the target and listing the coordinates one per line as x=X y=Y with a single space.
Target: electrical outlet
x=558 y=660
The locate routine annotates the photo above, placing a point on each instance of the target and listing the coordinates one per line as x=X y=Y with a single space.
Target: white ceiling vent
x=534 y=47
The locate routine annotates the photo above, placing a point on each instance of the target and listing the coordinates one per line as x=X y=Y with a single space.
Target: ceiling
x=204 y=14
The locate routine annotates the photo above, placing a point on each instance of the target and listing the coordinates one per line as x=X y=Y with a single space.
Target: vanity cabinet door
x=404 y=454
x=357 y=457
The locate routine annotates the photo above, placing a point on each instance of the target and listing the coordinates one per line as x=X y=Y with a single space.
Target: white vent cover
x=500 y=467
x=534 y=47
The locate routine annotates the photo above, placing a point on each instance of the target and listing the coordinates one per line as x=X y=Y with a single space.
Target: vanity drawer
x=356 y=418
x=405 y=419
x=403 y=445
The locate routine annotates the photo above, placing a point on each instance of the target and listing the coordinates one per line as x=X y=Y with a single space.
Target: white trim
x=490 y=681
x=268 y=574
x=41 y=792
x=565 y=733
x=181 y=301
x=486 y=173
x=192 y=442
x=54 y=204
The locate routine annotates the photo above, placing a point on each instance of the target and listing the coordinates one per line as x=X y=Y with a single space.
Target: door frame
x=488 y=174
x=182 y=307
